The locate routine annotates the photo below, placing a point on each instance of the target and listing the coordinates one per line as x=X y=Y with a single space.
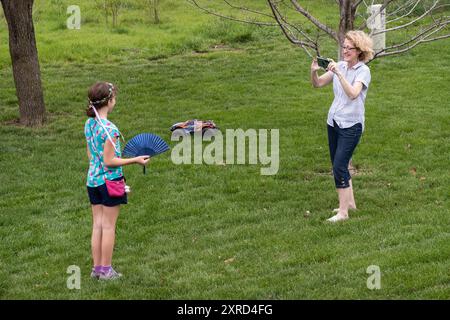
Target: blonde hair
x=363 y=43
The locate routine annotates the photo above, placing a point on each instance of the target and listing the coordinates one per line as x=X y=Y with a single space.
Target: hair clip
x=111 y=88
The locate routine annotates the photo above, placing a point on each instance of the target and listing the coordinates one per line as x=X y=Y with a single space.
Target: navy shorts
x=99 y=195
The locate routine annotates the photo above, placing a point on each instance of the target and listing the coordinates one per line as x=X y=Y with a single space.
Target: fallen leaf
x=229 y=260
x=422 y=178
x=413 y=171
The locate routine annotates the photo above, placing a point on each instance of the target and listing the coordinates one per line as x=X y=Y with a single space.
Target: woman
x=351 y=79
x=105 y=163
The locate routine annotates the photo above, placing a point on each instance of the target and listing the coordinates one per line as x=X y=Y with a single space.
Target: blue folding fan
x=145 y=144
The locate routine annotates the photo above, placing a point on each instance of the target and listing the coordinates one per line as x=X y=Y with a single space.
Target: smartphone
x=323 y=62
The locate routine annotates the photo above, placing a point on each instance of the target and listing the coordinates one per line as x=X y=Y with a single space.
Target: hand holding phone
x=323 y=62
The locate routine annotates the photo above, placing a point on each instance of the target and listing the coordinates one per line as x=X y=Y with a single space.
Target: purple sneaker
x=111 y=274
x=95 y=274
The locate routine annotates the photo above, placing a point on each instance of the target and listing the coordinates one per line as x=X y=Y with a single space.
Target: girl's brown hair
x=99 y=95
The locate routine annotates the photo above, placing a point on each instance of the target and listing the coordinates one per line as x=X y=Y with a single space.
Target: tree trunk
x=106 y=13
x=25 y=63
x=156 y=11
x=115 y=13
x=347 y=18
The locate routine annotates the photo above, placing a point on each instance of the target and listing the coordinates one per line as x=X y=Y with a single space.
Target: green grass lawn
x=227 y=232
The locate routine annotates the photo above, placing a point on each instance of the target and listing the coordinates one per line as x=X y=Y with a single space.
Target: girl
x=351 y=79
x=105 y=163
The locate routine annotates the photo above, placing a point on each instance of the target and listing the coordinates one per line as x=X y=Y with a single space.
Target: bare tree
x=421 y=20
x=25 y=63
x=103 y=5
x=154 y=6
x=424 y=21
x=112 y=7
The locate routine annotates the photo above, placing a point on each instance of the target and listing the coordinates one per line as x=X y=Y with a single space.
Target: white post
x=377 y=22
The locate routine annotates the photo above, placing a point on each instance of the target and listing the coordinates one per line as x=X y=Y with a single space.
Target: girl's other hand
x=332 y=67
x=314 y=65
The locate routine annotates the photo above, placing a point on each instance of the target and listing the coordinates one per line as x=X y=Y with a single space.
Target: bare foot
x=338 y=217
x=349 y=208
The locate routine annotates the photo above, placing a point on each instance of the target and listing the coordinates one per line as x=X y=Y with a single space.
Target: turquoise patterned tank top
x=96 y=137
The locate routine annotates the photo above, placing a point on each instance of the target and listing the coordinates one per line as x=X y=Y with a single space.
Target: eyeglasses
x=348 y=48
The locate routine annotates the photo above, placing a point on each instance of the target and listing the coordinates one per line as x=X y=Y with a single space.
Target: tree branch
x=316 y=22
x=423 y=37
x=400 y=8
x=385 y=4
x=246 y=9
x=409 y=23
x=194 y=2
x=288 y=33
x=385 y=54
x=292 y=25
x=437 y=38
x=406 y=14
x=356 y=4
x=430 y=28
x=297 y=35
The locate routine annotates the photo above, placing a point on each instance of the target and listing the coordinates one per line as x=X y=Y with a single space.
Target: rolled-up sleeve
x=363 y=76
